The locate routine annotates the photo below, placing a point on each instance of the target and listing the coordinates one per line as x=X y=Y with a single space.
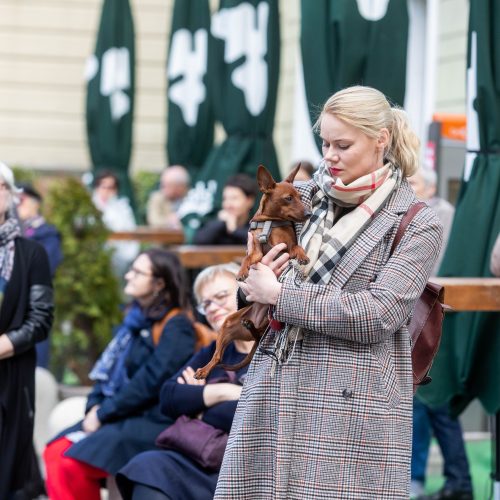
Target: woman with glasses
x=169 y=474
x=122 y=416
x=26 y=308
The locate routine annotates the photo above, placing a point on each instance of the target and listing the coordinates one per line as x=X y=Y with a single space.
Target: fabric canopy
x=110 y=92
x=466 y=366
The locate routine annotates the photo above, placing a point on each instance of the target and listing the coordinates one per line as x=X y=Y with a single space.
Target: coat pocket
x=387 y=370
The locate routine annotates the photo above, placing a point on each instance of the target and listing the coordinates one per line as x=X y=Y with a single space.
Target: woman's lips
x=335 y=171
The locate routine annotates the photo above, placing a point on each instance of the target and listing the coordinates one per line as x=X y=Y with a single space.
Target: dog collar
x=266 y=227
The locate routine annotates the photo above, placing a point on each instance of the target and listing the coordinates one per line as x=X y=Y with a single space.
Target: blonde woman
x=329 y=413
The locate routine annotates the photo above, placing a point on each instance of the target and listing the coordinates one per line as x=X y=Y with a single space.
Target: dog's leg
x=245 y=361
x=232 y=329
x=251 y=259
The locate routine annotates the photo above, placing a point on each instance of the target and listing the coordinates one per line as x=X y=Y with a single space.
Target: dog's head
x=280 y=200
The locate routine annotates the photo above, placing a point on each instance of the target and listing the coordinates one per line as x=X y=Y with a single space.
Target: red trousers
x=68 y=478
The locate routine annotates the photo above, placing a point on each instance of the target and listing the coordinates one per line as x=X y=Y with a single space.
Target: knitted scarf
x=110 y=369
x=9 y=231
x=326 y=241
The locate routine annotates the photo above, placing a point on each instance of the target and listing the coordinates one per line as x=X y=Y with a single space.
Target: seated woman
x=123 y=414
x=169 y=474
x=232 y=223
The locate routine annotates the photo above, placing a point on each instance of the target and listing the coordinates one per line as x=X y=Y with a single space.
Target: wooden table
x=471 y=294
x=201 y=256
x=151 y=234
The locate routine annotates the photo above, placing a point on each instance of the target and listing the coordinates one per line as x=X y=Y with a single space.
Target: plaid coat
x=336 y=421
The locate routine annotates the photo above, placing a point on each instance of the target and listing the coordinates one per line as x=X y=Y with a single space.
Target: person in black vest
x=26 y=313
x=232 y=223
x=35 y=227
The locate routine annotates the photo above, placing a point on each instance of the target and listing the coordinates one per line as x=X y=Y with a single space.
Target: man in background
x=163 y=204
x=35 y=227
x=428 y=421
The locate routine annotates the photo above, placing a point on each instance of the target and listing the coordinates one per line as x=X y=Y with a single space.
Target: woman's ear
x=383 y=139
x=159 y=285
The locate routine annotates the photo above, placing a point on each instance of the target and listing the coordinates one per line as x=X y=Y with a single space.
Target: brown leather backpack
x=426 y=323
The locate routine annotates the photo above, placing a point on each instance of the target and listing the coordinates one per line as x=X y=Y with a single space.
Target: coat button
x=144 y=333
x=347 y=393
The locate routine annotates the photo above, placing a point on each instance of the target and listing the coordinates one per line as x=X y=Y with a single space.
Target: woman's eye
x=325 y=145
x=343 y=146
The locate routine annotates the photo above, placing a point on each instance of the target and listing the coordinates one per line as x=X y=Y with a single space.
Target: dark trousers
x=448 y=432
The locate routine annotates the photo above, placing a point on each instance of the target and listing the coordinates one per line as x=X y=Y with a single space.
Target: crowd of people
x=326 y=408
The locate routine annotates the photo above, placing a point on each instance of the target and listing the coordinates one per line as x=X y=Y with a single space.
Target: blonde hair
x=368 y=110
x=210 y=273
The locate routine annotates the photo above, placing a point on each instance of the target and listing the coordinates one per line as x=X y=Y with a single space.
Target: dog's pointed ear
x=292 y=174
x=265 y=179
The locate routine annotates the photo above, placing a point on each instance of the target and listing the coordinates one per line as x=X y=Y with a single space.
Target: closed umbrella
x=190 y=122
x=345 y=43
x=110 y=92
x=243 y=73
x=466 y=366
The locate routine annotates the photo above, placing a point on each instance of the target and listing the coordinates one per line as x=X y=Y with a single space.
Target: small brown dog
x=279 y=207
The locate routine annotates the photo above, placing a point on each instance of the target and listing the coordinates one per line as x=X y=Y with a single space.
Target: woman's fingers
x=273 y=253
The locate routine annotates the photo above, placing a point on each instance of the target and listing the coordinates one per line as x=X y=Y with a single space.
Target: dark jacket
x=25 y=316
x=48 y=236
x=215 y=232
x=131 y=418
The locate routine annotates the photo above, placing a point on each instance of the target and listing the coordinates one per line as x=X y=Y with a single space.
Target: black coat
x=26 y=317
x=131 y=418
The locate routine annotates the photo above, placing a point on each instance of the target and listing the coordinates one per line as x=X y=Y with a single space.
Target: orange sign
x=452 y=126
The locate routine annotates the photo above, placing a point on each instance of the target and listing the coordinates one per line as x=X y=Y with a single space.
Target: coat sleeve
x=371 y=315
x=176 y=345
x=38 y=319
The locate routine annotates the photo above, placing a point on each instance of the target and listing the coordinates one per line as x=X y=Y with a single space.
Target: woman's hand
x=187 y=377
x=91 y=421
x=271 y=259
x=6 y=347
x=217 y=393
x=261 y=286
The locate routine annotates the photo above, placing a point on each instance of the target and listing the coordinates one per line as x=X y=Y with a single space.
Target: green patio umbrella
x=345 y=44
x=110 y=92
x=190 y=123
x=467 y=364
x=243 y=72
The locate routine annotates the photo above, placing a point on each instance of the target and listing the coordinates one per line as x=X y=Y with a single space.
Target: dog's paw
x=241 y=277
x=200 y=374
x=303 y=261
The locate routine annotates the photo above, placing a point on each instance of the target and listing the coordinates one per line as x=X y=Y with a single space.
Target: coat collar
x=384 y=221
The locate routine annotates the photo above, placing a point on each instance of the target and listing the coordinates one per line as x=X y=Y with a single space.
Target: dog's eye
x=288 y=198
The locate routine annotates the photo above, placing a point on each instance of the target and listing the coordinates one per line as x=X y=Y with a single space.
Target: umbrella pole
x=496 y=474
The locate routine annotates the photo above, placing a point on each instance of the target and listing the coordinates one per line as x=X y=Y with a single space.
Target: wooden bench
x=199 y=257
x=156 y=235
x=471 y=294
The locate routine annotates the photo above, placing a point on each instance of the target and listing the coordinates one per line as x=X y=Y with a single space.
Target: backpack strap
x=158 y=326
x=405 y=221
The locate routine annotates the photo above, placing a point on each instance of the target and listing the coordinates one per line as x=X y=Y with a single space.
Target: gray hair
x=8 y=176
x=210 y=273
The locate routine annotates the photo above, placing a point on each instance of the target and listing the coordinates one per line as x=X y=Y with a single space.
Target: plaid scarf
x=325 y=240
x=9 y=230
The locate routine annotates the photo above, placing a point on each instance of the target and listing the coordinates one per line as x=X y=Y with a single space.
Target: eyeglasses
x=138 y=272
x=218 y=299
